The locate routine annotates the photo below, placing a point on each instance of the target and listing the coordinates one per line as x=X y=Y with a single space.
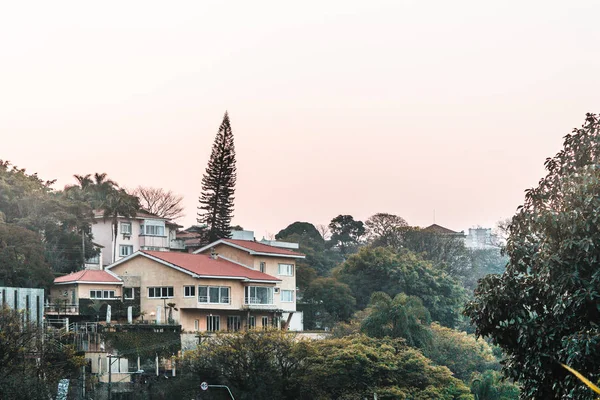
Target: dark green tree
x=386 y=230
x=346 y=233
x=545 y=307
x=401 y=317
x=218 y=185
x=381 y=269
x=332 y=301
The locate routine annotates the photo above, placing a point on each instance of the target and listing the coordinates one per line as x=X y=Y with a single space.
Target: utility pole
x=109 y=356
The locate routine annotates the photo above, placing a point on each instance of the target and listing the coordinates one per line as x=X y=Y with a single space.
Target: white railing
x=205 y=300
x=257 y=301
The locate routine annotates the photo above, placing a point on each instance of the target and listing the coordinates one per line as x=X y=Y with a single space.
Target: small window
x=160 y=292
x=189 y=291
x=128 y=293
x=213 y=323
x=263 y=266
x=287 y=296
x=286 y=269
x=93 y=260
x=126 y=228
x=265 y=322
x=233 y=323
x=196 y=325
x=102 y=294
x=125 y=250
x=276 y=290
x=251 y=322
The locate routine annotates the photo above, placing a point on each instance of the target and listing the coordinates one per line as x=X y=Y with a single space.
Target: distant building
x=440 y=230
x=28 y=300
x=481 y=238
x=145 y=231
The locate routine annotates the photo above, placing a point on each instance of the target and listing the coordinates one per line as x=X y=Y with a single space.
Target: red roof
x=262 y=248
x=204 y=265
x=88 y=275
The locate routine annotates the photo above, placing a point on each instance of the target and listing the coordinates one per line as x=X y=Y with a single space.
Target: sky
x=337 y=107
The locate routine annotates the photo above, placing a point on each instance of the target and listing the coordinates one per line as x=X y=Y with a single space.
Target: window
x=276 y=290
x=263 y=266
x=213 y=294
x=125 y=250
x=153 y=228
x=259 y=295
x=286 y=269
x=233 y=323
x=196 y=325
x=128 y=293
x=93 y=260
x=265 y=322
x=189 y=291
x=213 y=323
x=287 y=296
x=276 y=322
x=160 y=292
x=102 y=294
x=126 y=228
x=251 y=322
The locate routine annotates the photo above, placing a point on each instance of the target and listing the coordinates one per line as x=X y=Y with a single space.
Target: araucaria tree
x=544 y=309
x=218 y=185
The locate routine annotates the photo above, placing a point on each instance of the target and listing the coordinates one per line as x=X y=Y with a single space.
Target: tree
x=31 y=364
x=333 y=300
x=160 y=202
x=304 y=229
x=119 y=204
x=401 y=317
x=475 y=354
x=346 y=233
x=386 y=230
x=22 y=258
x=544 y=308
x=218 y=185
x=382 y=269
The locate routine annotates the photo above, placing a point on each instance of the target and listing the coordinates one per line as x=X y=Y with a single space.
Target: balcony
x=154 y=242
x=257 y=303
x=177 y=244
x=61 y=309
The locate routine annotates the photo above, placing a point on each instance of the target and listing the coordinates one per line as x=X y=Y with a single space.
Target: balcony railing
x=257 y=302
x=62 y=309
x=205 y=300
x=177 y=244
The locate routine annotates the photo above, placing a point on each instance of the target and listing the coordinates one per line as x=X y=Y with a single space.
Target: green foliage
x=384 y=270
x=333 y=300
x=272 y=364
x=346 y=233
x=462 y=353
x=544 y=307
x=142 y=340
x=386 y=230
x=21 y=376
x=319 y=257
x=22 y=258
x=490 y=385
x=61 y=220
x=401 y=317
x=218 y=185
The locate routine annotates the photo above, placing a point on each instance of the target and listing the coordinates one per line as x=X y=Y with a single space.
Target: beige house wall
x=82 y=291
x=233 y=254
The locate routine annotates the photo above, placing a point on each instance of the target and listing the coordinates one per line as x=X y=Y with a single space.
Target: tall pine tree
x=218 y=185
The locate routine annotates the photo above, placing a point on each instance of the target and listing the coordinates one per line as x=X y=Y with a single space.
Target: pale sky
x=337 y=107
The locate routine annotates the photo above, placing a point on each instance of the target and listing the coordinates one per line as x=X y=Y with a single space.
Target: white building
x=481 y=238
x=145 y=231
x=30 y=301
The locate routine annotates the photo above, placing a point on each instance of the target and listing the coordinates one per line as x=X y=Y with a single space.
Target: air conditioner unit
x=276 y=290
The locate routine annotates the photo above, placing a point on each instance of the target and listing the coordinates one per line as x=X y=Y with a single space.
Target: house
x=482 y=238
x=227 y=285
x=192 y=237
x=28 y=300
x=145 y=231
x=440 y=230
x=84 y=295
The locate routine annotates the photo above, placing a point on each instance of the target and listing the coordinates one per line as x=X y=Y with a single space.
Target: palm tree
x=403 y=316
x=171 y=307
x=119 y=204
